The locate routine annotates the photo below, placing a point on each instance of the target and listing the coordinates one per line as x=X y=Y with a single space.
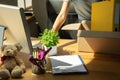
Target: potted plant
x=49 y=38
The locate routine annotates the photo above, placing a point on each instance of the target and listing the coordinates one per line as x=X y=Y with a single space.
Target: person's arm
x=61 y=16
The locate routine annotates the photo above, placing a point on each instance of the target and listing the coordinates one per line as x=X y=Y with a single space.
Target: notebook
x=67 y=64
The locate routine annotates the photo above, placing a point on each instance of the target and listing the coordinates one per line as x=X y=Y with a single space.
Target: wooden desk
x=100 y=66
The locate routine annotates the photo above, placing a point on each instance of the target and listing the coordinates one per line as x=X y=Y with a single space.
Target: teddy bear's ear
x=3 y=47
x=19 y=47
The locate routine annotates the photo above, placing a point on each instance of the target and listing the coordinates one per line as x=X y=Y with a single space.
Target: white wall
x=21 y=3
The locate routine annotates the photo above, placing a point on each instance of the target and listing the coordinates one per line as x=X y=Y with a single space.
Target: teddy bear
x=11 y=65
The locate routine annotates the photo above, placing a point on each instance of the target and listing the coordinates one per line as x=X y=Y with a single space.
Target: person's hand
x=86 y=24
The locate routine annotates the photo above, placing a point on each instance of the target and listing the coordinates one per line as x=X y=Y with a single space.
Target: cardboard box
x=98 y=41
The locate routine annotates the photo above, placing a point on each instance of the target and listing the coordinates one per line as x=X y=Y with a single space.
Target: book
x=67 y=64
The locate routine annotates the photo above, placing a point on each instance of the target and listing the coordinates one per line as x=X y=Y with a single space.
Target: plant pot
x=53 y=51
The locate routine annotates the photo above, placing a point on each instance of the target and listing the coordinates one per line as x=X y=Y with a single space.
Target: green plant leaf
x=49 y=38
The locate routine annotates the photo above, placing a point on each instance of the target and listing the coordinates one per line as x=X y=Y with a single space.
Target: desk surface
x=100 y=66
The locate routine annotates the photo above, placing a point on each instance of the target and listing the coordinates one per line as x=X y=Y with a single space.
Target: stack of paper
x=67 y=64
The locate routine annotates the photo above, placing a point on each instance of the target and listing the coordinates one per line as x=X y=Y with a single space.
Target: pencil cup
x=37 y=63
x=38 y=69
